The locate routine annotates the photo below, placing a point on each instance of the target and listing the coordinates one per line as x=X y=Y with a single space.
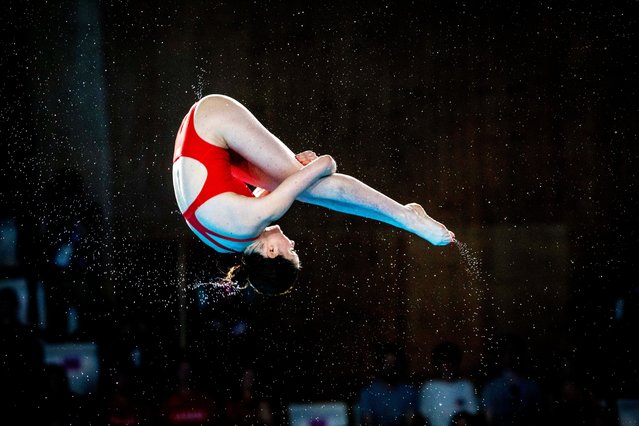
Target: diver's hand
x=326 y=162
x=306 y=157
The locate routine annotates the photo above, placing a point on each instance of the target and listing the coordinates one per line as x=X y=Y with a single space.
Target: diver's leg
x=346 y=194
x=268 y=161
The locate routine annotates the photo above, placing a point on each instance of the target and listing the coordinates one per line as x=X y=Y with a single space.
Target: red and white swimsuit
x=218 y=179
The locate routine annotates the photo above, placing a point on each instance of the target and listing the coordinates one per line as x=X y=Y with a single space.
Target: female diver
x=220 y=147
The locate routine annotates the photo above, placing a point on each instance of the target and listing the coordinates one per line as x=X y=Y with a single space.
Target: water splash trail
x=211 y=291
x=476 y=288
x=198 y=87
x=472 y=262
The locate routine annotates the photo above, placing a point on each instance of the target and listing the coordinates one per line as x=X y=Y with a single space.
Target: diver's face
x=278 y=244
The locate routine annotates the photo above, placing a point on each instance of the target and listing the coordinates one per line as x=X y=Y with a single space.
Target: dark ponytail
x=268 y=276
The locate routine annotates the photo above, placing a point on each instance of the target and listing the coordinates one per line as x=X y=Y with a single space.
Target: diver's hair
x=268 y=276
x=254 y=247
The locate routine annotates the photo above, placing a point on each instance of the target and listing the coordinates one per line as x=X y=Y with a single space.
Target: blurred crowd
x=131 y=392
x=507 y=395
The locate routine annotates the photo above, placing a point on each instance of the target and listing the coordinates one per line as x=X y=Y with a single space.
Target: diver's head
x=273 y=243
x=270 y=264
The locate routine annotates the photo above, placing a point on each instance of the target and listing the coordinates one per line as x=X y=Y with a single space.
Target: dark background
x=513 y=125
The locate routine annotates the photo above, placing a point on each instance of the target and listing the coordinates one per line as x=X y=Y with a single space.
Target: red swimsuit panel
x=218 y=178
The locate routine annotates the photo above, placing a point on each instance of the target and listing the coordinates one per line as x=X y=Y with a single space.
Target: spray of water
x=476 y=286
x=215 y=289
x=198 y=87
x=471 y=262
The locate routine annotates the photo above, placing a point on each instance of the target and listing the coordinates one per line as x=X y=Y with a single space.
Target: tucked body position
x=221 y=147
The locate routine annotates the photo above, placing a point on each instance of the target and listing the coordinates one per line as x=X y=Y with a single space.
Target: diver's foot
x=428 y=228
x=417 y=208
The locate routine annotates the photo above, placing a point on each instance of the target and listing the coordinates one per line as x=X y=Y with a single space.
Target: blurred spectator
x=511 y=398
x=389 y=400
x=187 y=405
x=448 y=394
x=246 y=407
x=21 y=364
